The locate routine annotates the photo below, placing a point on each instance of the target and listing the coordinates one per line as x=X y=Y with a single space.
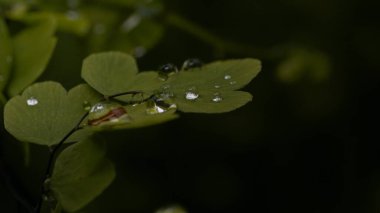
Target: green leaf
x=5 y=54
x=226 y=75
x=212 y=86
x=81 y=173
x=109 y=73
x=45 y=112
x=32 y=49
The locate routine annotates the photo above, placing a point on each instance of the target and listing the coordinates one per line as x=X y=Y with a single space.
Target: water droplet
x=72 y=15
x=86 y=106
x=227 y=77
x=232 y=82
x=192 y=63
x=166 y=70
x=216 y=86
x=157 y=106
x=217 y=98
x=189 y=95
x=106 y=112
x=32 y=101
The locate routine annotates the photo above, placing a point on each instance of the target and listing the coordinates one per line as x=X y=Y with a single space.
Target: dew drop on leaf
x=192 y=63
x=217 y=98
x=227 y=77
x=216 y=86
x=192 y=94
x=158 y=105
x=189 y=95
x=166 y=70
x=232 y=82
x=32 y=101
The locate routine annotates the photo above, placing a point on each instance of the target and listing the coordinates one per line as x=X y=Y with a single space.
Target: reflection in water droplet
x=233 y=82
x=72 y=14
x=191 y=95
x=217 y=98
x=32 y=101
x=97 y=107
x=192 y=63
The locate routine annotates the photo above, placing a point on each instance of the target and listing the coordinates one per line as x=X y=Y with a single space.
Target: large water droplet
x=189 y=95
x=217 y=98
x=166 y=70
x=227 y=77
x=157 y=106
x=32 y=101
x=192 y=63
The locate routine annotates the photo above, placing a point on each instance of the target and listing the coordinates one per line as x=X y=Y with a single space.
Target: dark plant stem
x=55 y=149
x=51 y=161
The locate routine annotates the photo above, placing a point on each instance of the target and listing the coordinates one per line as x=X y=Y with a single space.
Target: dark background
x=308 y=145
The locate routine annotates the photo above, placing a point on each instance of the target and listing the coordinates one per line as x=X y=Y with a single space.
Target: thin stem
x=52 y=157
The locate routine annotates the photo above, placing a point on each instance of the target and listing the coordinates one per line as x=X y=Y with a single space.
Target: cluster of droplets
x=162 y=102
